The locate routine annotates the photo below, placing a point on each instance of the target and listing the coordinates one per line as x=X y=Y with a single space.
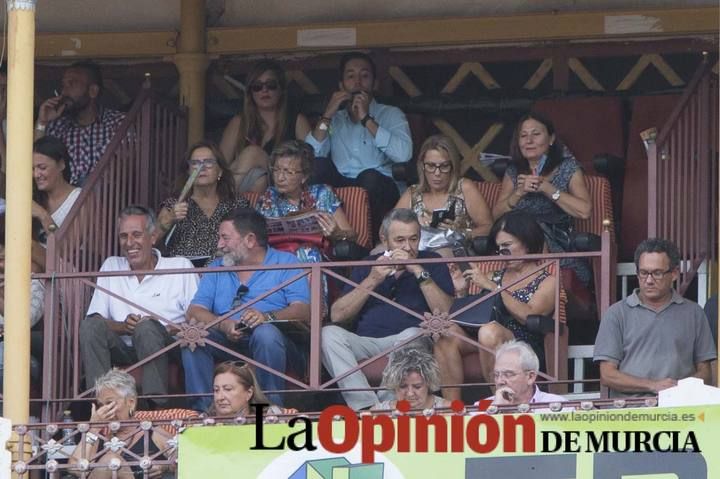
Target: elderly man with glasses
x=515 y=373
x=654 y=337
x=254 y=330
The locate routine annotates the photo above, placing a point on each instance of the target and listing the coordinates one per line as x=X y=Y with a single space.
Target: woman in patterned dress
x=190 y=227
x=291 y=164
x=441 y=187
x=546 y=182
x=513 y=234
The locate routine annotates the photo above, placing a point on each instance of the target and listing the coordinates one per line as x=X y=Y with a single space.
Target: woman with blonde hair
x=266 y=120
x=440 y=186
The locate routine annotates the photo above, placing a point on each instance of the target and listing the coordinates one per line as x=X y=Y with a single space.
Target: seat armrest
x=480 y=245
x=586 y=242
x=541 y=324
x=348 y=250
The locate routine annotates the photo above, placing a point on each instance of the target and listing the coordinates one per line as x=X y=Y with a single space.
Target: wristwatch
x=270 y=317
x=555 y=196
x=324 y=123
x=423 y=277
x=365 y=119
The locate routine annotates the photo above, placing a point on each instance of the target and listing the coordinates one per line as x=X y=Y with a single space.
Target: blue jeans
x=266 y=344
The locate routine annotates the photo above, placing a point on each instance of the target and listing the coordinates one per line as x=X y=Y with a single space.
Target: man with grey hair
x=116 y=332
x=515 y=373
x=364 y=325
x=654 y=337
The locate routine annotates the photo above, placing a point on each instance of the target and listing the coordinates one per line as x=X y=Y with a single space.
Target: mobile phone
x=441 y=215
x=463 y=266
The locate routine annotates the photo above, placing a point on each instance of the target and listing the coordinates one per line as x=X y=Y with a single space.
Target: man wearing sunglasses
x=116 y=332
x=654 y=337
x=75 y=116
x=363 y=137
x=255 y=329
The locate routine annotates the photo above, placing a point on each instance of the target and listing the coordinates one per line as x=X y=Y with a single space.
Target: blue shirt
x=217 y=291
x=355 y=150
x=378 y=319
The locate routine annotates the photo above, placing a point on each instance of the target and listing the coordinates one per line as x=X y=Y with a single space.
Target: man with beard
x=116 y=332
x=243 y=242
x=78 y=120
x=363 y=137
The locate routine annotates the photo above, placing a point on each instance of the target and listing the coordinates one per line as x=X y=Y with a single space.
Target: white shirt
x=166 y=296
x=61 y=213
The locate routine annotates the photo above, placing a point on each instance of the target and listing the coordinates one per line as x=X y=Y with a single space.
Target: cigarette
x=56 y=92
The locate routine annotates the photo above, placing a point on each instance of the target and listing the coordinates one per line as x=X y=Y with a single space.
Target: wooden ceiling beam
x=593 y=26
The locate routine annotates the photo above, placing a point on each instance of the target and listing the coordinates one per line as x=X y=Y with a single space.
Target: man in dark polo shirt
x=654 y=337
x=378 y=325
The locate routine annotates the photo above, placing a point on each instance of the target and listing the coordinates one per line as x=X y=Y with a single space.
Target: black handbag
x=480 y=314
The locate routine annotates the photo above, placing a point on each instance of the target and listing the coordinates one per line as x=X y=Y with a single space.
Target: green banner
x=647 y=443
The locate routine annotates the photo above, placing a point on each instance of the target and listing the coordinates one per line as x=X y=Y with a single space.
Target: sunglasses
x=270 y=85
x=239 y=295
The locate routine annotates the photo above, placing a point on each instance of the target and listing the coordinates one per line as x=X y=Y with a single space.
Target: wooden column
x=21 y=79
x=191 y=61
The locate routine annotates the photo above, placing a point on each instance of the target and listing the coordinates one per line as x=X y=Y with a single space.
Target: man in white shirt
x=516 y=370
x=116 y=332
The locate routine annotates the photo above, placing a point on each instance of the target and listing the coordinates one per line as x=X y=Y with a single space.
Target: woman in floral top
x=190 y=227
x=291 y=165
x=514 y=234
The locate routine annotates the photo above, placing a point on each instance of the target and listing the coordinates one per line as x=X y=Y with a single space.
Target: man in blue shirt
x=377 y=324
x=243 y=242
x=363 y=137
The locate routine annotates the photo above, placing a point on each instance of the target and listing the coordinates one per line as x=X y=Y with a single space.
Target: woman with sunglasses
x=513 y=234
x=441 y=187
x=190 y=227
x=266 y=120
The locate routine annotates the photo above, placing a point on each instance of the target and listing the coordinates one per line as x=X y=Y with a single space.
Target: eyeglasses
x=287 y=173
x=657 y=274
x=239 y=295
x=433 y=167
x=507 y=374
x=270 y=85
x=204 y=163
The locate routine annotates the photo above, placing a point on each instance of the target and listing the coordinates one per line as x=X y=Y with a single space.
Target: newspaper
x=301 y=223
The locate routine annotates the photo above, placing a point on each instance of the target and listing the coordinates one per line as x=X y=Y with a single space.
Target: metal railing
x=65 y=371
x=44 y=448
x=682 y=175
x=137 y=167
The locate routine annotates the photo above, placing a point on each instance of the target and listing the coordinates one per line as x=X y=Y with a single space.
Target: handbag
x=435 y=238
x=480 y=314
x=291 y=242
